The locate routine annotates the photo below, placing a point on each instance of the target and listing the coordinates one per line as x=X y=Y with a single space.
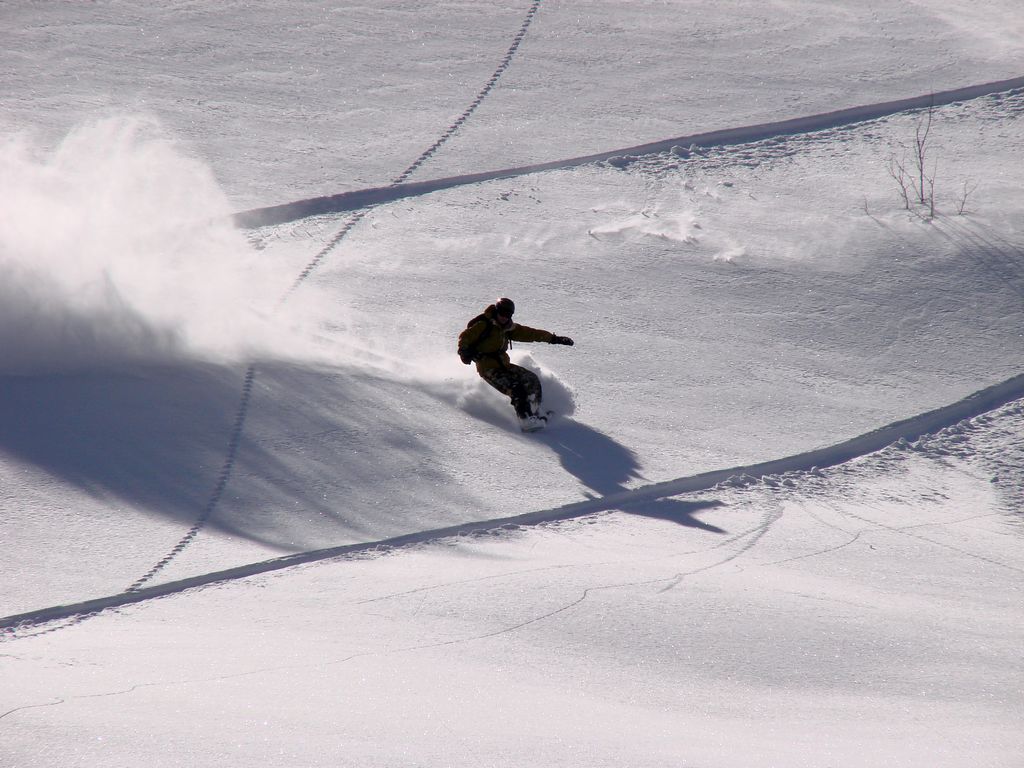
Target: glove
x=466 y=356
x=561 y=340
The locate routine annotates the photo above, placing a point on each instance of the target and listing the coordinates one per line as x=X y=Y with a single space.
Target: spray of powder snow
x=115 y=247
x=471 y=394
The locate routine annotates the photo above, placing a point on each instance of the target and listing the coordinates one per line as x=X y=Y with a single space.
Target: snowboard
x=535 y=423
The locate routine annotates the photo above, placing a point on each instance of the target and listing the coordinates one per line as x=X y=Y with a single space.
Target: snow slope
x=186 y=404
x=314 y=99
x=867 y=615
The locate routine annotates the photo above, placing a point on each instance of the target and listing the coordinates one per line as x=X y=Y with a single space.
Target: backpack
x=470 y=352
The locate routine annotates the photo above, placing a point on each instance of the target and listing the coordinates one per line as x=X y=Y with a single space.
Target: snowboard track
x=907 y=430
x=362 y=199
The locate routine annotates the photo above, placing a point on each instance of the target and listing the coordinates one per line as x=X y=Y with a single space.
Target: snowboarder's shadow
x=605 y=466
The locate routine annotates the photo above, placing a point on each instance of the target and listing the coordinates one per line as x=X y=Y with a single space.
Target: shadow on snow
x=605 y=466
x=156 y=439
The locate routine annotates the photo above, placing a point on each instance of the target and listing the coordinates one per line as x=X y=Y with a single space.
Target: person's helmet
x=504 y=307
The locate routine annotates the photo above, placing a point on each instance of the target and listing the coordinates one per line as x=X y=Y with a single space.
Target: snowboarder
x=486 y=341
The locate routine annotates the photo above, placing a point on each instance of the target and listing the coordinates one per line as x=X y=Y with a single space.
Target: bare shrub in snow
x=916 y=180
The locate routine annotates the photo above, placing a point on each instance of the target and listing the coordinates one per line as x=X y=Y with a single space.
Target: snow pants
x=520 y=384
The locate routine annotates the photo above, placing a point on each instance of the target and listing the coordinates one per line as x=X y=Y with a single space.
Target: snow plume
x=480 y=400
x=115 y=247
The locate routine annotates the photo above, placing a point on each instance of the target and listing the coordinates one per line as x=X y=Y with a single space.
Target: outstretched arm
x=525 y=333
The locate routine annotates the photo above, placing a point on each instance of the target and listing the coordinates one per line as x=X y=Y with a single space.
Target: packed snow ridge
x=680 y=146
x=791 y=467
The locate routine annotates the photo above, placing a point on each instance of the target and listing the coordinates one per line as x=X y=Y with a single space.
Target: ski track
x=218 y=491
x=250 y=374
x=778 y=472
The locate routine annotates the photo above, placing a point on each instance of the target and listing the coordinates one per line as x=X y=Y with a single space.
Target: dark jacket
x=487 y=341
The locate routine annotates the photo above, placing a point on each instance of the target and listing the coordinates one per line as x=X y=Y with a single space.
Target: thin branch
x=968 y=188
x=898 y=171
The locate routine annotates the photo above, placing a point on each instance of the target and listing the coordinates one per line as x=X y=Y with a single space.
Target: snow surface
x=359 y=559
